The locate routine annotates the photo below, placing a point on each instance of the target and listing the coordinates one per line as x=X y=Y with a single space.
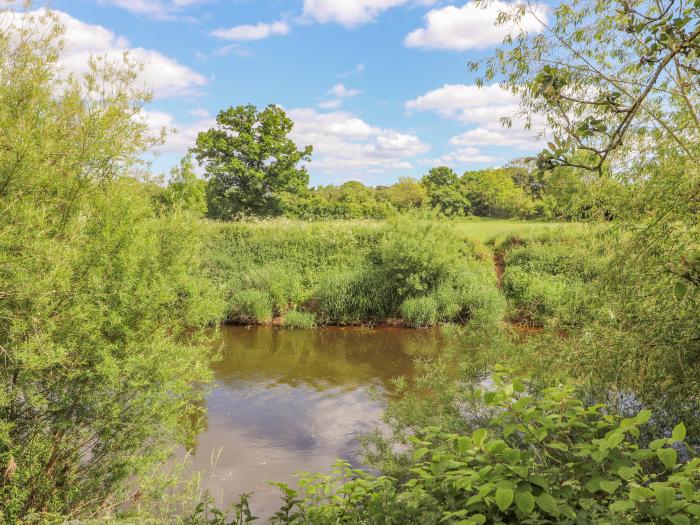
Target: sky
x=380 y=88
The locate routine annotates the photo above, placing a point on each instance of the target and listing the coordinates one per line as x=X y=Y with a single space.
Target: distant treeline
x=517 y=190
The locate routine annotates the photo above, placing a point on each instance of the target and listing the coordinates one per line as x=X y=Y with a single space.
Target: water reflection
x=287 y=401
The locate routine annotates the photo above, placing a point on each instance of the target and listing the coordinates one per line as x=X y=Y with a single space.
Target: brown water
x=286 y=401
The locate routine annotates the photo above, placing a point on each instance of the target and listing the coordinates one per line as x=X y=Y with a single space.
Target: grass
x=357 y=272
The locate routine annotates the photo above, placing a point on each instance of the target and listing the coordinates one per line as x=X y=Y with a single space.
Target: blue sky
x=380 y=88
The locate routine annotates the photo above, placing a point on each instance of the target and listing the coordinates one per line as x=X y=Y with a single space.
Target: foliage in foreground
x=101 y=298
x=539 y=458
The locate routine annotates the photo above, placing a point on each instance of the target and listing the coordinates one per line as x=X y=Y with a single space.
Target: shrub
x=253 y=306
x=420 y=312
x=297 y=319
x=282 y=286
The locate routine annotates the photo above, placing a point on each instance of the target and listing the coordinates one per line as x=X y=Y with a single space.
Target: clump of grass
x=420 y=312
x=252 y=306
x=297 y=319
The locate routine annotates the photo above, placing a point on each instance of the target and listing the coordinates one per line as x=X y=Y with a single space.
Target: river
x=285 y=401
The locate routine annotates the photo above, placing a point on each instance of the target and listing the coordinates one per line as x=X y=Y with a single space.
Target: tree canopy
x=250 y=161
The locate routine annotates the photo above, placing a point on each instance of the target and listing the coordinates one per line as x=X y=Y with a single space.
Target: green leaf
x=667 y=456
x=609 y=486
x=558 y=445
x=621 y=505
x=678 y=432
x=479 y=436
x=626 y=473
x=694 y=509
x=640 y=493
x=679 y=519
x=419 y=453
x=504 y=497
x=525 y=501
x=547 y=503
x=665 y=497
x=643 y=417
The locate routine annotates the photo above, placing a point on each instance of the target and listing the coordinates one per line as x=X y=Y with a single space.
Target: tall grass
x=353 y=272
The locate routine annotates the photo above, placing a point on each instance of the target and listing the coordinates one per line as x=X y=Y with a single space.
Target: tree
x=610 y=78
x=406 y=194
x=185 y=191
x=492 y=193
x=250 y=160
x=101 y=300
x=444 y=192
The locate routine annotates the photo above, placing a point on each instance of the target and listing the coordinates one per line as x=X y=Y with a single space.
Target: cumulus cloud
x=467 y=103
x=460 y=157
x=164 y=76
x=334 y=103
x=344 y=143
x=252 y=32
x=352 y=13
x=180 y=136
x=340 y=91
x=471 y=27
x=159 y=9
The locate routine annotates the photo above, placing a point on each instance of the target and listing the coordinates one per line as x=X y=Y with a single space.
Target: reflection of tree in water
x=330 y=357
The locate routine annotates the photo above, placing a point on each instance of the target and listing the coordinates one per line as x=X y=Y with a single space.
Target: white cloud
x=460 y=157
x=180 y=137
x=330 y=104
x=163 y=75
x=159 y=9
x=516 y=136
x=252 y=32
x=345 y=144
x=352 y=13
x=340 y=91
x=468 y=103
x=471 y=26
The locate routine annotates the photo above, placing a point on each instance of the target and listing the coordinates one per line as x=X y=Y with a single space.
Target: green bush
x=297 y=319
x=420 y=312
x=283 y=287
x=253 y=306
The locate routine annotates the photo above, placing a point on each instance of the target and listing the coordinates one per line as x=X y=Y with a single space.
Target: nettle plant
x=544 y=458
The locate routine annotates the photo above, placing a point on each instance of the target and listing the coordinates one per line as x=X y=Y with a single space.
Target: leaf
x=558 y=445
x=678 y=432
x=479 y=436
x=640 y=493
x=504 y=497
x=525 y=501
x=419 y=453
x=609 y=486
x=621 y=505
x=643 y=417
x=667 y=456
x=665 y=496
x=547 y=503
x=679 y=519
x=626 y=473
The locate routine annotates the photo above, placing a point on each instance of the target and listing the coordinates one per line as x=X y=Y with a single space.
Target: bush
x=253 y=306
x=297 y=319
x=419 y=312
x=283 y=287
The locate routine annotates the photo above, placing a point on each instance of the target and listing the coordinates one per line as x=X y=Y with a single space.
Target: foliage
x=538 y=458
x=249 y=160
x=102 y=299
x=351 y=274
x=297 y=319
x=185 y=191
x=419 y=312
x=610 y=78
x=252 y=306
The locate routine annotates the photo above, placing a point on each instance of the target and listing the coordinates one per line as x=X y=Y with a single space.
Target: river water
x=286 y=401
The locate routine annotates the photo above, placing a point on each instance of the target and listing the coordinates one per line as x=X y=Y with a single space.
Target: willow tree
x=98 y=295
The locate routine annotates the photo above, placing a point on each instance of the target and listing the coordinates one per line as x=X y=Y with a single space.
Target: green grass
x=355 y=272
